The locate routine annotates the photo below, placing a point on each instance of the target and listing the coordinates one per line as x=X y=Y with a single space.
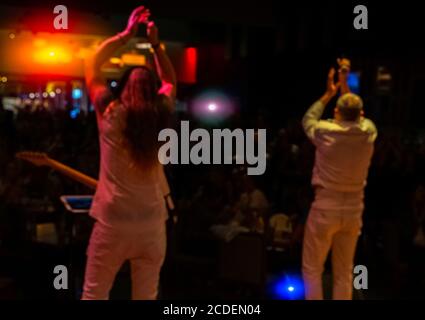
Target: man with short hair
x=344 y=147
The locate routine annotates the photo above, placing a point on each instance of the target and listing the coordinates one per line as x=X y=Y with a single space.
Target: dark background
x=277 y=52
x=273 y=57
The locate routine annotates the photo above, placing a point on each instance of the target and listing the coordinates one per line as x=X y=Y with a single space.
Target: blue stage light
x=288 y=287
x=77 y=93
x=74 y=113
x=353 y=82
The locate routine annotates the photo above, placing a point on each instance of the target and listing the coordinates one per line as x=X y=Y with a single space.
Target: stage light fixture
x=77 y=93
x=212 y=107
x=288 y=287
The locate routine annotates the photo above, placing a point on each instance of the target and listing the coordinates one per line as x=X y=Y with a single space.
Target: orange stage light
x=39 y=42
x=52 y=55
x=132 y=59
x=115 y=60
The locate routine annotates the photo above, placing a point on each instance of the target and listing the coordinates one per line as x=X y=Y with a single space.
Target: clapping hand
x=332 y=87
x=138 y=16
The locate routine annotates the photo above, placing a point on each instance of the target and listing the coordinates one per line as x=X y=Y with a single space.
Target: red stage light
x=190 y=62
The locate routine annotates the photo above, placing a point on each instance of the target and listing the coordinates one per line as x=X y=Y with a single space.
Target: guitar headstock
x=37 y=158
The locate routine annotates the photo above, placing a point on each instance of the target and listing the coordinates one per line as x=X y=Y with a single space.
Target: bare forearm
x=108 y=47
x=326 y=98
x=164 y=66
x=345 y=88
x=344 y=82
x=103 y=53
x=343 y=73
x=314 y=113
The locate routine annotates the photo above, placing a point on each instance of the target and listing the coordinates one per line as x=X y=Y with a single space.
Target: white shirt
x=343 y=150
x=126 y=196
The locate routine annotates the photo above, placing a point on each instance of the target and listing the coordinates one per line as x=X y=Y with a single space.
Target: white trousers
x=107 y=251
x=331 y=229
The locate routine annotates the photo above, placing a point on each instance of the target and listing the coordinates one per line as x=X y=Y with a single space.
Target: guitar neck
x=73 y=174
x=92 y=183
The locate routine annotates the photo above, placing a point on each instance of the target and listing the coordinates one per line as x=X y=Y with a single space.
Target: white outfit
x=343 y=154
x=130 y=211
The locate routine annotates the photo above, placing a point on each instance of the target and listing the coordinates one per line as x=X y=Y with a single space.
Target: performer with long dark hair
x=129 y=205
x=344 y=147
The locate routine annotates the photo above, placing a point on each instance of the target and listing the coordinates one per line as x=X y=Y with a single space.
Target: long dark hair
x=146 y=114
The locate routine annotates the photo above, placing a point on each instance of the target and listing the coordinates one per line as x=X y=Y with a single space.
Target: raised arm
x=343 y=72
x=314 y=113
x=96 y=83
x=163 y=64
